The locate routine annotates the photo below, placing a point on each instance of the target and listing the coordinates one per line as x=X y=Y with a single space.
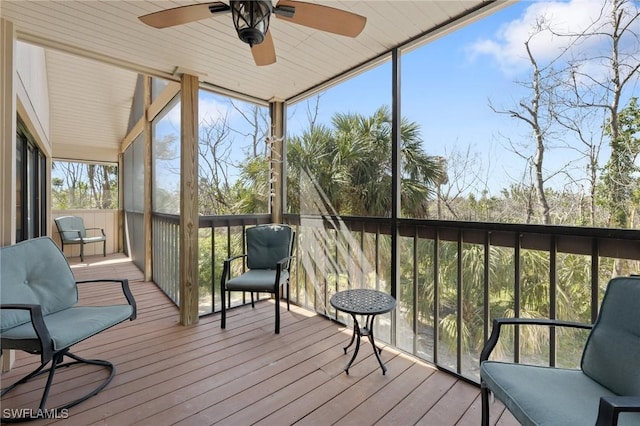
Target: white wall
x=33 y=92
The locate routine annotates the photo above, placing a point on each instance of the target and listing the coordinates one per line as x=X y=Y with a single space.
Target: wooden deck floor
x=201 y=375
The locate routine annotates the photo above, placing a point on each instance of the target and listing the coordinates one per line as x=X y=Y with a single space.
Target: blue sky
x=447 y=86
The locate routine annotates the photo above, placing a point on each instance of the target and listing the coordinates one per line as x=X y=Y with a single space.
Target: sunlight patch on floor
x=112 y=259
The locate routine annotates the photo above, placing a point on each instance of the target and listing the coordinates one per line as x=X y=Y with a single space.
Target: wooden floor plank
x=356 y=393
x=384 y=400
x=168 y=374
x=451 y=407
x=226 y=378
x=415 y=404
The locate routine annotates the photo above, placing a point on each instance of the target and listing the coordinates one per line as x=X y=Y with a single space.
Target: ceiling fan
x=251 y=20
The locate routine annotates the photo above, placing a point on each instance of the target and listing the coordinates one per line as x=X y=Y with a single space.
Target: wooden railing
x=451 y=278
x=166 y=254
x=219 y=238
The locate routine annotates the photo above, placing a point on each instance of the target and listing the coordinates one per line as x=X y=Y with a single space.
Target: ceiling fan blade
x=265 y=52
x=183 y=14
x=322 y=18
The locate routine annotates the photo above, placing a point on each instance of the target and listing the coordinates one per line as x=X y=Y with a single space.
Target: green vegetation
x=84 y=186
x=349 y=163
x=620 y=191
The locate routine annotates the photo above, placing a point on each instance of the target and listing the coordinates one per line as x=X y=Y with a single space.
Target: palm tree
x=350 y=161
x=572 y=298
x=314 y=162
x=251 y=192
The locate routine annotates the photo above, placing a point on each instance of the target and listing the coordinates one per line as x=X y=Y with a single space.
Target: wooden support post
x=121 y=230
x=189 y=201
x=278 y=153
x=7 y=147
x=7 y=134
x=148 y=229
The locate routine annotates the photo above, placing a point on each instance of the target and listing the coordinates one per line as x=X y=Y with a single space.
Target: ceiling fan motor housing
x=251 y=19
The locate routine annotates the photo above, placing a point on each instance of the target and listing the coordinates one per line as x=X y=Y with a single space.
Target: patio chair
x=72 y=231
x=268 y=254
x=606 y=388
x=37 y=315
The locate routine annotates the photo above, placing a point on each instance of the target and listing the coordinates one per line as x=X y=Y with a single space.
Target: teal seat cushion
x=548 y=396
x=85 y=240
x=69 y=326
x=34 y=272
x=257 y=280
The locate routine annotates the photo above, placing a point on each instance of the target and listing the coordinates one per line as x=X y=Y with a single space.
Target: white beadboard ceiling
x=96 y=48
x=90 y=104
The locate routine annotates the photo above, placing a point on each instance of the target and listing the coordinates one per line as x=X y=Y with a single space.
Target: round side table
x=367 y=303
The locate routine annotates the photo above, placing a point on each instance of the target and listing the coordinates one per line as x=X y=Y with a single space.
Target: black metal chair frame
x=47 y=354
x=82 y=242
x=280 y=266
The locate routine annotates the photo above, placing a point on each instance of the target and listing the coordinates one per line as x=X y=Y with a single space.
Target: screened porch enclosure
x=401 y=218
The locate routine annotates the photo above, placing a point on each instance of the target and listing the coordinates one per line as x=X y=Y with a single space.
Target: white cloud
x=210 y=110
x=506 y=45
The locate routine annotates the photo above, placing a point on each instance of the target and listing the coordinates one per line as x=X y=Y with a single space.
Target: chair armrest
x=499 y=322
x=234 y=258
x=125 y=289
x=612 y=406
x=37 y=321
x=284 y=260
x=226 y=270
x=94 y=229
x=280 y=266
x=227 y=263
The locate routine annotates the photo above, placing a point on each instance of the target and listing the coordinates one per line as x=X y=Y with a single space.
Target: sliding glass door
x=31 y=202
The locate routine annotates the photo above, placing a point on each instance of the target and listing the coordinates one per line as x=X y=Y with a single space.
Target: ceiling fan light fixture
x=251 y=19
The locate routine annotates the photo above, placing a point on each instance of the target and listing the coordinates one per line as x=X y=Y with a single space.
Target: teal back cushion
x=69 y=225
x=34 y=272
x=612 y=354
x=267 y=244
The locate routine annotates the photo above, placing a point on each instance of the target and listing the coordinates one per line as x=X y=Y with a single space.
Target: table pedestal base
x=358 y=332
